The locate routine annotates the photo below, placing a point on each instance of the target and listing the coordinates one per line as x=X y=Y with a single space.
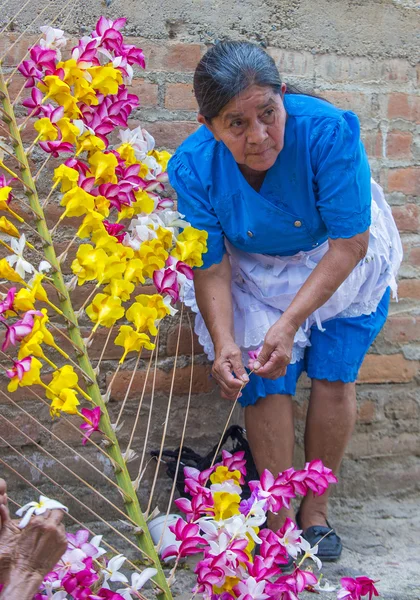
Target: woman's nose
x=257 y=133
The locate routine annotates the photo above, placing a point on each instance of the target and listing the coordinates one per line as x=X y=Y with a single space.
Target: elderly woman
x=303 y=254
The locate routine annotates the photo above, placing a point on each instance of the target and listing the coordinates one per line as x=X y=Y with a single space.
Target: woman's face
x=252 y=125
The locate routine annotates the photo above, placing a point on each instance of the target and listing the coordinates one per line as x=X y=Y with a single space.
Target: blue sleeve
x=342 y=178
x=193 y=202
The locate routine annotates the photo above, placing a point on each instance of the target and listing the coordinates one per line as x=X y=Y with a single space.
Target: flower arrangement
x=128 y=233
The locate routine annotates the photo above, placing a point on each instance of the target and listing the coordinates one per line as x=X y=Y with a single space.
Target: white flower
x=239 y=527
x=54 y=39
x=137 y=582
x=252 y=589
x=71 y=562
x=172 y=220
x=292 y=540
x=95 y=541
x=38 y=508
x=327 y=587
x=22 y=266
x=140 y=140
x=227 y=486
x=305 y=546
x=111 y=571
x=44 y=266
x=257 y=513
x=154 y=167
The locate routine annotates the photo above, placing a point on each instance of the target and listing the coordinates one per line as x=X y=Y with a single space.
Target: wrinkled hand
x=228 y=370
x=276 y=352
x=41 y=544
x=9 y=536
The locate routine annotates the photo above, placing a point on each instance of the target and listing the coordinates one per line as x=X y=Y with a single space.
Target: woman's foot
x=9 y=536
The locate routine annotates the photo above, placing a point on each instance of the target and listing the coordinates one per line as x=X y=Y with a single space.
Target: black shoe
x=329 y=543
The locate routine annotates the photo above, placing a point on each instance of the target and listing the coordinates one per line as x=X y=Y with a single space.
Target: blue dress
x=318 y=188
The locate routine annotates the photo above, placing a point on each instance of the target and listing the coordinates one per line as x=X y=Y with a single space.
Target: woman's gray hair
x=227 y=69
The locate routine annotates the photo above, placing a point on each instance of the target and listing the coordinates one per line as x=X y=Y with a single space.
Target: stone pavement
x=381 y=539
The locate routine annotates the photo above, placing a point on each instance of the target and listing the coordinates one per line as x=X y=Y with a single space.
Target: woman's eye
x=268 y=113
x=236 y=123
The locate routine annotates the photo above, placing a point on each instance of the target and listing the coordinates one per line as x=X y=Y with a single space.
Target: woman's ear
x=283 y=90
x=203 y=121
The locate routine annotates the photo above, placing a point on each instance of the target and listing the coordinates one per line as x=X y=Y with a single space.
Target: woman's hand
x=276 y=352
x=228 y=370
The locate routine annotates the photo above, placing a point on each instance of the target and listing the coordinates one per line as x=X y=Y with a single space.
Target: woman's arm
x=335 y=266
x=214 y=299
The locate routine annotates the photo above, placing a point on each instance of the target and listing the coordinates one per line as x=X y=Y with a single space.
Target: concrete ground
x=381 y=540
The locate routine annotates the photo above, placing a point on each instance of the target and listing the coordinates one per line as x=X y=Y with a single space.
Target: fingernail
x=256 y=365
x=245 y=377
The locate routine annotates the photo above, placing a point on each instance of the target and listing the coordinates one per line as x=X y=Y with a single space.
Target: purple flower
x=89 y=426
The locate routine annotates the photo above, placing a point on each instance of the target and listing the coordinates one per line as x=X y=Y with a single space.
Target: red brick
x=15 y=52
x=290 y=62
x=373 y=143
x=146 y=91
x=366 y=412
x=184 y=341
x=390 y=368
x=25 y=427
x=409 y=288
x=404 y=106
x=357 y=102
x=170 y=134
x=405 y=180
x=398 y=144
x=402 y=329
x=202 y=382
x=170 y=56
x=180 y=96
x=407 y=217
x=414 y=256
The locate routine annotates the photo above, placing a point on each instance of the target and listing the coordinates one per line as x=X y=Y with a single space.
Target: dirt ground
x=381 y=540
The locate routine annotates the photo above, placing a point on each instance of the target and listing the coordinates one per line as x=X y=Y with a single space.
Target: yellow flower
x=143 y=318
x=134 y=271
x=222 y=474
x=143 y=204
x=228 y=585
x=67 y=176
x=225 y=505
x=4 y=195
x=126 y=151
x=65 y=377
x=53 y=87
x=88 y=142
x=46 y=130
x=102 y=205
x=85 y=93
x=91 y=223
x=7 y=227
x=8 y=273
x=165 y=237
x=31 y=346
x=113 y=268
x=31 y=377
x=72 y=71
x=103 y=240
x=89 y=262
x=66 y=401
x=69 y=131
x=24 y=300
x=162 y=157
x=103 y=167
x=106 y=79
x=132 y=341
x=37 y=288
x=190 y=246
x=104 y=310
x=120 y=288
x=153 y=255
x=154 y=301
x=77 y=202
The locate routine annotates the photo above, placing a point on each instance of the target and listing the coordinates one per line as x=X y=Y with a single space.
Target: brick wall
x=384 y=453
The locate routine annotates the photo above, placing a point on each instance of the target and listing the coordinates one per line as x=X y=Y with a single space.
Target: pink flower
x=287 y=587
x=20 y=329
x=318 y=477
x=209 y=572
x=30 y=71
x=86 y=54
x=20 y=368
x=263 y=568
x=188 y=535
x=44 y=58
x=289 y=537
x=78 y=584
x=33 y=104
x=234 y=462
x=277 y=493
x=114 y=229
x=271 y=549
x=7 y=303
x=196 y=480
x=78 y=165
x=56 y=147
x=201 y=504
x=93 y=416
x=166 y=282
x=6 y=183
x=105 y=594
x=355 y=589
x=107 y=32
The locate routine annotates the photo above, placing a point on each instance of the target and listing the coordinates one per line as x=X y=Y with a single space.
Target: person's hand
x=276 y=352
x=41 y=544
x=228 y=370
x=9 y=536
